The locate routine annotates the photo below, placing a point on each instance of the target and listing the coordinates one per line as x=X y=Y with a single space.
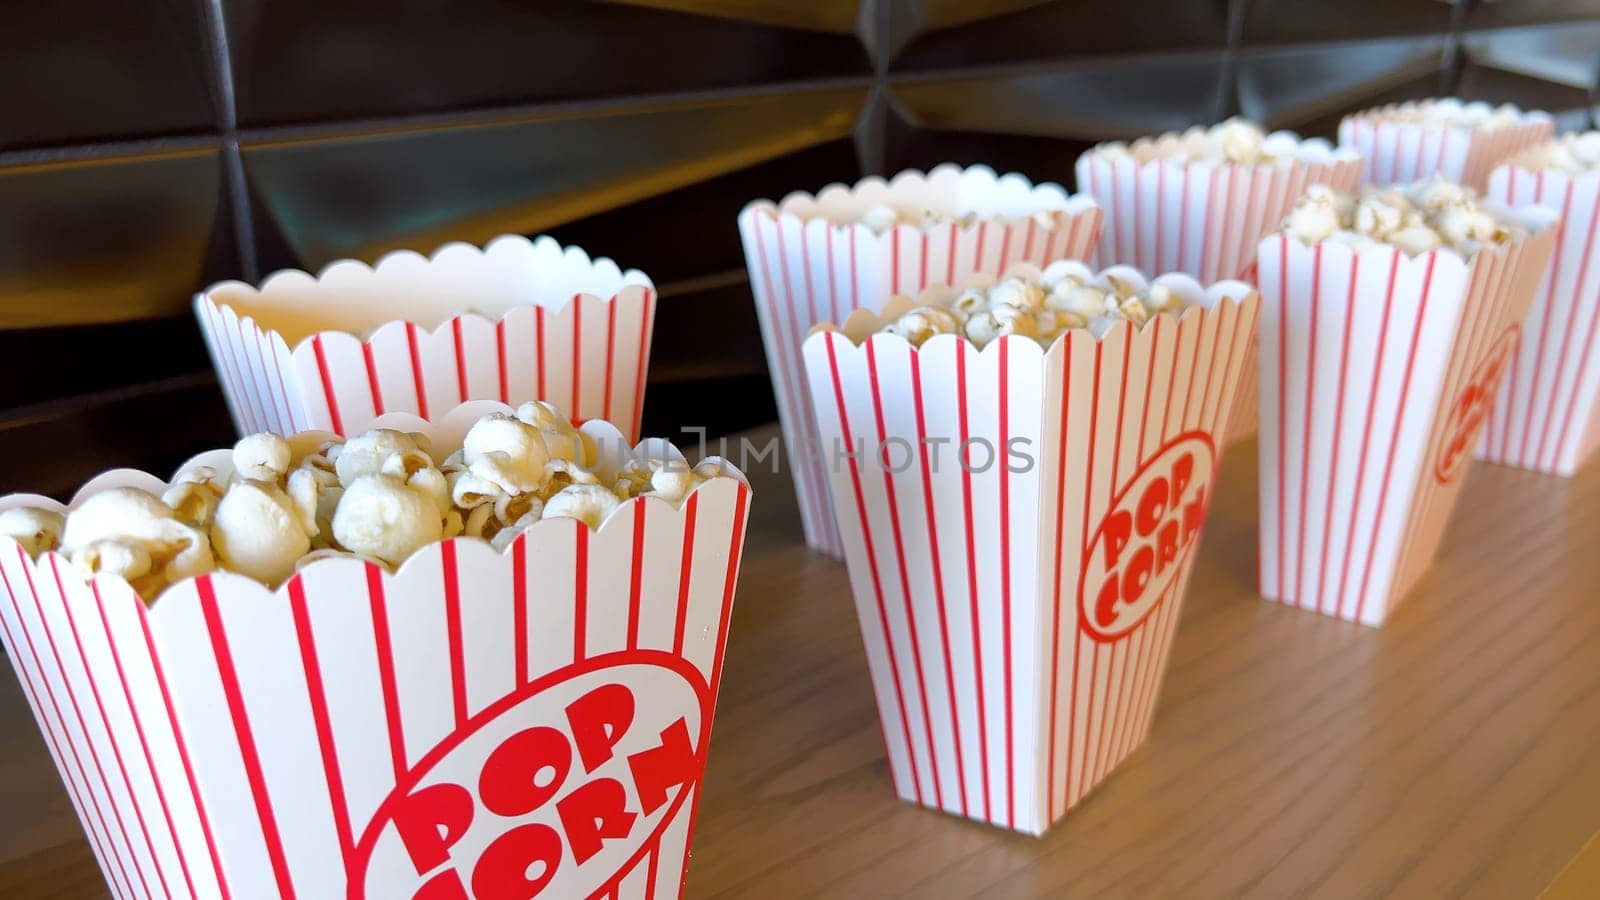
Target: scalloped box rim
x=1073 y=204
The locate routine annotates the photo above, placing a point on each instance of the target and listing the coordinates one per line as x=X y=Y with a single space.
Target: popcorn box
x=474 y=724
x=804 y=270
x=1377 y=371
x=517 y=320
x=1403 y=152
x=1020 y=525
x=1546 y=415
x=1169 y=215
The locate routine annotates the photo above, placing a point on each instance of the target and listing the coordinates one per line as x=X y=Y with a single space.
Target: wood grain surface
x=1455 y=752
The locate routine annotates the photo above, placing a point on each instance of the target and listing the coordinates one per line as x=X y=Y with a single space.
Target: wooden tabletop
x=1455 y=752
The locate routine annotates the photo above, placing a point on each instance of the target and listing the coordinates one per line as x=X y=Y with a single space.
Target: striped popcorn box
x=532 y=723
x=812 y=259
x=517 y=320
x=1406 y=142
x=1020 y=526
x=1166 y=214
x=1377 y=372
x=1546 y=416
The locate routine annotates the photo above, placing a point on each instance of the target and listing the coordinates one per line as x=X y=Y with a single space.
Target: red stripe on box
x=1088 y=500
x=327 y=384
x=650 y=874
x=923 y=264
x=977 y=252
x=1309 y=411
x=872 y=568
x=729 y=582
x=1005 y=577
x=930 y=519
x=461 y=360
x=1183 y=220
x=417 y=383
x=611 y=348
x=972 y=567
x=855 y=282
x=905 y=578
x=1138 y=231
x=687 y=566
x=144 y=742
x=229 y=678
x=453 y=632
x=83 y=727
x=538 y=352
x=1585 y=355
x=576 y=411
x=645 y=322
x=635 y=578
x=1548 y=313
x=1161 y=205
x=386 y=671
x=1366 y=436
x=894 y=259
x=519 y=607
x=786 y=345
x=1338 y=424
x=320 y=718
x=1116 y=458
x=183 y=748
x=1573 y=307
x=116 y=747
x=102 y=838
x=372 y=379
x=1055 y=628
x=580 y=587
x=1400 y=408
x=500 y=359
x=833 y=278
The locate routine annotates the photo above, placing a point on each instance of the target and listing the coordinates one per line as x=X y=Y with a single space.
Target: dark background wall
x=149 y=148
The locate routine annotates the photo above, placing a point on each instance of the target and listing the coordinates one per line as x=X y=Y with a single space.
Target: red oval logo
x=1133 y=560
x=557 y=790
x=1472 y=406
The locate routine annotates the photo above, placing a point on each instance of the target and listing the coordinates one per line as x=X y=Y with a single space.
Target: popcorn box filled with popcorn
x=526 y=721
x=516 y=320
x=816 y=258
x=1198 y=201
x=1020 y=523
x=1380 y=356
x=1405 y=142
x=1546 y=416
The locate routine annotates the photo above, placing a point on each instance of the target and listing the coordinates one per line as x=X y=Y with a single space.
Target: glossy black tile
x=947 y=35
x=1307 y=88
x=100 y=70
x=321 y=60
x=1493 y=13
x=74 y=357
x=360 y=195
x=1278 y=21
x=107 y=240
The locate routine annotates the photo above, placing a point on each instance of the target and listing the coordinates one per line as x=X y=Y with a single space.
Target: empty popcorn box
x=516 y=320
x=1400 y=152
x=1169 y=215
x=1377 y=373
x=1020 y=525
x=1546 y=416
x=474 y=724
x=811 y=260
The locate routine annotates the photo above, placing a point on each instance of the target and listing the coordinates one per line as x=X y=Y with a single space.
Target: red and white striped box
x=1018 y=617
x=1402 y=152
x=1377 y=371
x=532 y=723
x=811 y=261
x=516 y=320
x=1163 y=214
x=1546 y=416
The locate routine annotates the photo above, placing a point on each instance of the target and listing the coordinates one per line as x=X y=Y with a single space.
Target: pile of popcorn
x=1416 y=218
x=1235 y=141
x=883 y=218
x=1574 y=154
x=1036 y=309
x=1478 y=116
x=380 y=497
